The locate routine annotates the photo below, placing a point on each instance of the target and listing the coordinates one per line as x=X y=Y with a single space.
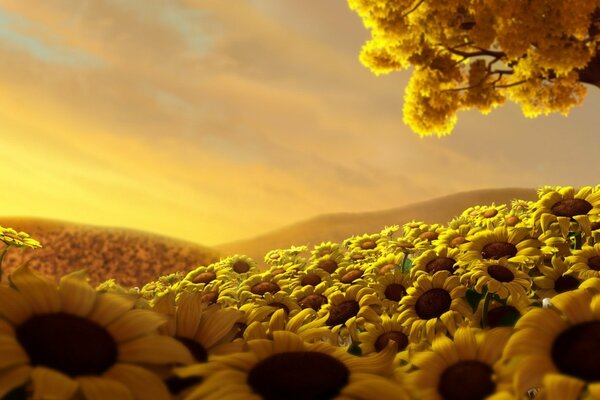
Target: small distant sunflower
x=289 y=368
x=388 y=231
x=385 y=263
x=330 y=262
x=423 y=235
x=224 y=292
x=454 y=237
x=73 y=340
x=309 y=296
x=376 y=337
x=499 y=277
x=352 y=275
x=585 y=263
x=554 y=279
x=434 y=260
x=400 y=245
x=562 y=341
x=514 y=243
x=255 y=286
x=239 y=265
x=325 y=249
x=282 y=300
x=467 y=367
x=287 y=270
x=354 y=306
x=486 y=216
x=554 y=243
x=311 y=276
x=365 y=244
x=391 y=288
x=562 y=205
x=434 y=304
x=253 y=312
x=17 y=239
x=204 y=275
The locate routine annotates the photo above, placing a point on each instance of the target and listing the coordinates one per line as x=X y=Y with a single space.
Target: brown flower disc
x=298 y=376
x=398 y=337
x=357 y=257
x=67 y=343
x=466 y=380
x=350 y=276
x=429 y=235
x=368 y=245
x=457 y=241
x=433 y=303
x=277 y=271
x=176 y=385
x=204 y=277
x=492 y=212
x=395 y=292
x=594 y=263
x=274 y=256
x=565 y=283
x=512 y=220
x=280 y=305
x=210 y=297
x=496 y=250
x=196 y=349
x=311 y=279
x=241 y=267
x=571 y=207
x=386 y=268
x=264 y=287
x=314 y=301
x=497 y=315
x=340 y=313
x=328 y=266
x=440 y=264
x=575 y=351
x=500 y=273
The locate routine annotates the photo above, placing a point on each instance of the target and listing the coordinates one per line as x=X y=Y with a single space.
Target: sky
x=215 y=121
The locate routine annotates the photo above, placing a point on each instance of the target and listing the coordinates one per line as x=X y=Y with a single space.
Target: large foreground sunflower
x=562 y=341
x=287 y=368
x=74 y=342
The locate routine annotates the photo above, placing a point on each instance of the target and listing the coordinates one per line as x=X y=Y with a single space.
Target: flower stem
x=486 y=305
x=2 y=254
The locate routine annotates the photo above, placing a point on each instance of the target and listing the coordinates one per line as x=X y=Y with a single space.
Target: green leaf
x=354 y=349
x=473 y=298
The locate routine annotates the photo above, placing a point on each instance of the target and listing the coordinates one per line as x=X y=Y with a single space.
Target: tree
x=479 y=53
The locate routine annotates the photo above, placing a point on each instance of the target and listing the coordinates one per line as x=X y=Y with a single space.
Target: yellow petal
x=562 y=387
x=109 y=307
x=51 y=384
x=135 y=323
x=465 y=343
x=284 y=341
x=76 y=295
x=575 y=305
x=215 y=325
x=155 y=349
x=99 y=388
x=38 y=291
x=11 y=352
x=13 y=306
x=143 y=384
x=13 y=378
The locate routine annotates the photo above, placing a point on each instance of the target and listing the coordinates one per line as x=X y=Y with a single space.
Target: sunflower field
x=502 y=302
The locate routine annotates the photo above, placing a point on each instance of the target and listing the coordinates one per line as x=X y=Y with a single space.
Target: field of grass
x=500 y=302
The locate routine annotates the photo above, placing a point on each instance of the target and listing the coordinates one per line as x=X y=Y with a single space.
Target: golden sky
x=216 y=120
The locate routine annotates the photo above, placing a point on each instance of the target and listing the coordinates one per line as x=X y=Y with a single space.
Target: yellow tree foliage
x=479 y=53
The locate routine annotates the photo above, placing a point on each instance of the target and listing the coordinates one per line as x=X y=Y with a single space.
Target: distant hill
x=337 y=227
x=132 y=257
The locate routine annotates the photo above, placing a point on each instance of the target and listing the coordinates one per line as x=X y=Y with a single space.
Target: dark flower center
x=18 y=393
x=500 y=273
x=595 y=226
x=68 y=343
x=492 y=212
x=512 y=220
x=497 y=250
x=594 y=263
x=565 y=283
x=466 y=380
x=382 y=341
x=433 y=303
x=503 y=316
x=368 y=245
x=298 y=376
x=457 y=241
x=204 y=277
x=440 y=264
x=571 y=207
x=357 y=257
x=386 y=268
x=351 y=276
x=340 y=313
x=280 y=305
x=210 y=297
x=176 y=385
x=277 y=271
x=311 y=279
x=575 y=351
x=198 y=351
x=395 y=292
x=328 y=266
x=264 y=287
x=241 y=266
x=429 y=235
x=314 y=301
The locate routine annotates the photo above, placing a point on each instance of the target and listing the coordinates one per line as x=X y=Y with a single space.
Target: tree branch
x=413 y=9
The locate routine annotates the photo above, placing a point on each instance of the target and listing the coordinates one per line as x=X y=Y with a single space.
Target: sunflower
x=282 y=300
x=563 y=205
x=562 y=341
x=500 y=277
x=467 y=367
x=203 y=275
x=288 y=368
x=224 y=292
x=487 y=217
x=391 y=288
x=311 y=276
x=400 y=245
x=385 y=263
x=453 y=237
x=10 y=237
x=330 y=262
x=555 y=279
x=352 y=275
x=238 y=265
x=388 y=231
x=434 y=304
x=514 y=243
x=204 y=330
x=367 y=244
x=325 y=249
x=423 y=235
x=553 y=242
x=255 y=286
x=434 y=260
x=585 y=263
x=73 y=341
x=309 y=296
